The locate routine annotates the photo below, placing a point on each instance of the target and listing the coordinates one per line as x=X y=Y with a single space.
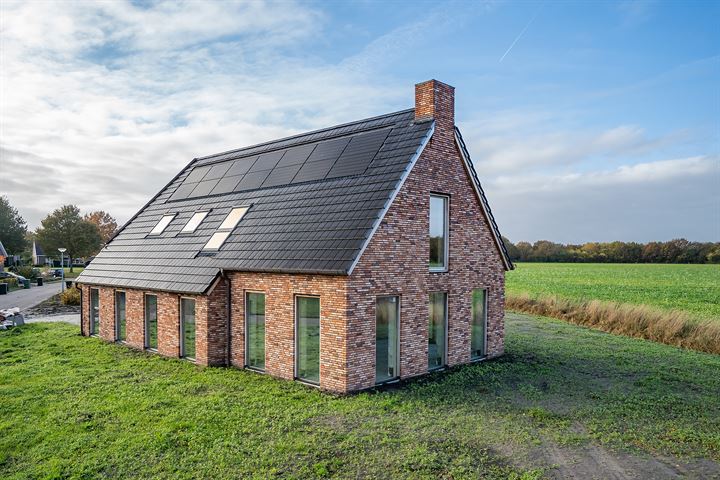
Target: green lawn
x=78 y=407
x=694 y=288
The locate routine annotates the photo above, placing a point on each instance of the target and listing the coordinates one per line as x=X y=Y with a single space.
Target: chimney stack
x=435 y=100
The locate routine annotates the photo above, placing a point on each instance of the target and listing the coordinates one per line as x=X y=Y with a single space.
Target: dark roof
x=37 y=250
x=315 y=200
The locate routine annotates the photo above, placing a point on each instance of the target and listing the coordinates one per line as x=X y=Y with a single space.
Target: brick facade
x=395 y=262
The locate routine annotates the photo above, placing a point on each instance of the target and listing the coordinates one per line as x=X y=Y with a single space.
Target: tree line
x=82 y=235
x=674 y=251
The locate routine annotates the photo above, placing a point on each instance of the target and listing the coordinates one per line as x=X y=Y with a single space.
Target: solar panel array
x=338 y=157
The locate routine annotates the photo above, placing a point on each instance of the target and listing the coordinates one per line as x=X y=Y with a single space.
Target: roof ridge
x=304 y=134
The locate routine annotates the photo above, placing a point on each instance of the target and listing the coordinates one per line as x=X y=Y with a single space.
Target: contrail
x=521 y=34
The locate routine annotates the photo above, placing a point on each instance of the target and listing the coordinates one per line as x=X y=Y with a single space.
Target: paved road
x=27 y=298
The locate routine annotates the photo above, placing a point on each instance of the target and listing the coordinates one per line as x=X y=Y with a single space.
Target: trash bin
x=26 y=283
x=3 y=288
x=39 y=281
x=68 y=283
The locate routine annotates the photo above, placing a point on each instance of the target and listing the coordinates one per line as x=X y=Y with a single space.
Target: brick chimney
x=435 y=100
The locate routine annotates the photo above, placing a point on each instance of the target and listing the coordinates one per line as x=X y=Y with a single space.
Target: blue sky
x=586 y=121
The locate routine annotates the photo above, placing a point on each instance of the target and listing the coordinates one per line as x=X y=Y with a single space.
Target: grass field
x=693 y=288
x=563 y=400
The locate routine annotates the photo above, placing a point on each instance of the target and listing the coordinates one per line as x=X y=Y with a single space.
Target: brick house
x=344 y=258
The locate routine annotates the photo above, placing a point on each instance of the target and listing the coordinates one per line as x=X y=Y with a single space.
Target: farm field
x=564 y=401
x=693 y=288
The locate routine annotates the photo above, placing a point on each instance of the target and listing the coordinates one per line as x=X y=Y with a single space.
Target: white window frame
x=224 y=230
x=188 y=227
x=159 y=231
x=446 y=233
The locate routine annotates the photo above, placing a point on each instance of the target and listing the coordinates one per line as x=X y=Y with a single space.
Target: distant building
x=38 y=256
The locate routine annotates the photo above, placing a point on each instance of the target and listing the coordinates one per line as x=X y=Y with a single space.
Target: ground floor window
x=437 y=331
x=478 y=327
x=94 y=311
x=307 y=343
x=255 y=330
x=187 y=328
x=151 y=322
x=387 y=328
x=120 y=331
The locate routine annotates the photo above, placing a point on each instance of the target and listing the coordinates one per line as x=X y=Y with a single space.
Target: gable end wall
x=396 y=263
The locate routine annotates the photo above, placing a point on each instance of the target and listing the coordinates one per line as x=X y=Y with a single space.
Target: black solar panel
x=332 y=158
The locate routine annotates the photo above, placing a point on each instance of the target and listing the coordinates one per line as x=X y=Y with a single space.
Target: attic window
x=218 y=238
x=162 y=224
x=194 y=222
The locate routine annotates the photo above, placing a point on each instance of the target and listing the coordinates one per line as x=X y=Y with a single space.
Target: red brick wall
x=280 y=291
x=210 y=315
x=396 y=263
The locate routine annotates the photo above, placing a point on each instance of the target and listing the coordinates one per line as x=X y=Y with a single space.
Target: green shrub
x=71 y=296
x=28 y=272
x=11 y=281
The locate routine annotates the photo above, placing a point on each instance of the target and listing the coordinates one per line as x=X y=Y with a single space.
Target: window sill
x=308 y=383
x=255 y=369
x=387 y=382
x=438 y=270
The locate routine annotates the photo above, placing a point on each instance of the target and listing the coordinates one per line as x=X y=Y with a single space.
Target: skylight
x=218 y=238
x=162 y=224
x=235 y=215
x=194 y=222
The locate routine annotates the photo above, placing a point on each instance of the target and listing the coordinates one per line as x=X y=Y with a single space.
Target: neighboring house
x=38 y=256
x=344 y=258
x=3 y=254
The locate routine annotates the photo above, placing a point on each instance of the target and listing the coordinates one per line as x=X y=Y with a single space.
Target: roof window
x=194 y=222
x=162 y=224
x=218 y=238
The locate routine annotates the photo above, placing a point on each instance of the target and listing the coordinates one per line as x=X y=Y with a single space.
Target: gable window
x=438 y=233
x=218 y=238
x=194 y=222
x=478 y=332
x=162 y=224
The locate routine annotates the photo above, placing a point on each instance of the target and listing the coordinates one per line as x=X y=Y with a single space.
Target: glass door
x=387 y=344
x=307 y=344
x=478 y=332
x=94 y=311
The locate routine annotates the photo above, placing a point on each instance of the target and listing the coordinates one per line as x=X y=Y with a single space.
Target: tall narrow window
x=151 y=326
x=478 y=327
x=437 y=331
x=307 y=347
x=162 y=224
x=387 y=315
x=438 y=232
x=120 y=333
x=94 y=311
x=187 y=328
x=255 y=330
